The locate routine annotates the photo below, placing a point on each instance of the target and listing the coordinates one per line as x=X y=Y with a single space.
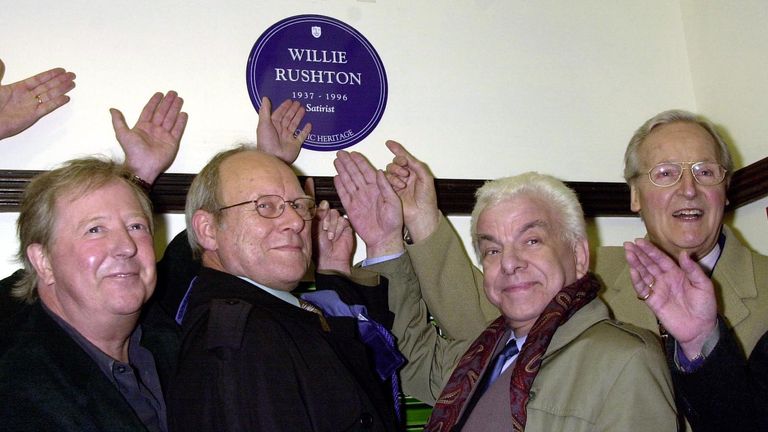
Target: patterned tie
x=464 y=383
x=386 y=358
x=509 y=351
x=307 y=306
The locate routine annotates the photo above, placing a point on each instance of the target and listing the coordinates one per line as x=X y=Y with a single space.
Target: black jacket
x=49 y=383
x=728 y=392
x=252 y=362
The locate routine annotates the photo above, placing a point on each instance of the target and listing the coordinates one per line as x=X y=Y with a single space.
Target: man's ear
x=581 y=255
x=206 y=229
x=634 y=198
x=38 y=256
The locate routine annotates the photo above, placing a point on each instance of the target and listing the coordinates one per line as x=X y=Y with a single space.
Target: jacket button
x=366 y=420
x=531 y=395
x=232 y=302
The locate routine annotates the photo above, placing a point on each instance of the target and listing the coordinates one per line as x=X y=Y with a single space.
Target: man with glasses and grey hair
x=678 y=169
x=254 y=356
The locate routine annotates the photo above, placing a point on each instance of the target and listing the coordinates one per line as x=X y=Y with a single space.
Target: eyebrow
x=98 y=219
x=538 y=223
x=91 y=220
x=281 y=196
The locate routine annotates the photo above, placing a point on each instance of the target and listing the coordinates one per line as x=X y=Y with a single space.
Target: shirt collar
x=282 y=295
x=709 y=260
x=102 y=359
x=518 y=341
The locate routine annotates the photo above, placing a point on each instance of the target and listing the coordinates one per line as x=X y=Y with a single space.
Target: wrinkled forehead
x=248 y=175
x=88 y=201
x=679 y=142
x=520 y=212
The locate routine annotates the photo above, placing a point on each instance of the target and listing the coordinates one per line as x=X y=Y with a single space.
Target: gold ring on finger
x=649 y=293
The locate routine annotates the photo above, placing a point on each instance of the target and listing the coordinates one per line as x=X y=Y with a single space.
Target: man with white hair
x=554 y=360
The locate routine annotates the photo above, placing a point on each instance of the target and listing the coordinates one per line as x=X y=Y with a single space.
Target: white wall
x=479 y=89
x=727 y=43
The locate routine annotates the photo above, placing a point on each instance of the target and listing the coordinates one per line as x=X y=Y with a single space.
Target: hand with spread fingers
x=415 y=186
x=152 y=144
x=682 y=297
x=372 y=206
x=25 y=102
x=278 y=132
x=334 y=239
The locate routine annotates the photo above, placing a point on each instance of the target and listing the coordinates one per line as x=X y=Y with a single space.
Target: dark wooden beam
x=454 y=196
x=748 y=184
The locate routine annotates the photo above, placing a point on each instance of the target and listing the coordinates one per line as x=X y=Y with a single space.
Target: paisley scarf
x=467 y=375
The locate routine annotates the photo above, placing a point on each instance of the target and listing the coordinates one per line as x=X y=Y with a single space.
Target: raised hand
x=415 y=186
x=682 y=297
x=334 y=240
x=151 y=146
x=24 y=102
x=276 y=132
x=372 y=206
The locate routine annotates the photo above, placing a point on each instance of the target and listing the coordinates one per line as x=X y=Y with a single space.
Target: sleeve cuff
x=691 y=365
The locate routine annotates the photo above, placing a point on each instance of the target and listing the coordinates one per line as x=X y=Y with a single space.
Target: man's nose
x=123 y=244
x=688 y=185
x=290 y=219
x=511 y=261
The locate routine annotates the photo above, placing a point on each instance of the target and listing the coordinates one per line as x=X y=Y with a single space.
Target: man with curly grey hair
x=553 y=360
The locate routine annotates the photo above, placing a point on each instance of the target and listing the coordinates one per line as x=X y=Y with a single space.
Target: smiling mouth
x=520 y=286
x=123 y=275
x=688 y=214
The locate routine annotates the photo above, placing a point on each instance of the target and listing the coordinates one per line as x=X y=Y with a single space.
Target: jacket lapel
x=734 y=279
x=86 y=387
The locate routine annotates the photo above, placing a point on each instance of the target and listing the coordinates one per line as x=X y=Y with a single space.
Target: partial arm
x=375 y=212
x=452 y=286
x=25 y=102
x=334 y=240
x=641 y=397
x=726 y=393
x=372 y=206
x=431 y=358
x=682 y=297
x=277 y=132
x=152 y=144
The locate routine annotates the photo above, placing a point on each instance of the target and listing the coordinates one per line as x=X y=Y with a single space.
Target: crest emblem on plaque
x=317 y=31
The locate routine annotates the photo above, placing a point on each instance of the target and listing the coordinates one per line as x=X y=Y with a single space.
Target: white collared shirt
x=708 y=262
x=282 y=295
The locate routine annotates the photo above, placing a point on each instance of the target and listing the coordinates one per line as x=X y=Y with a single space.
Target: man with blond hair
x=75 y=358
x=77 y=352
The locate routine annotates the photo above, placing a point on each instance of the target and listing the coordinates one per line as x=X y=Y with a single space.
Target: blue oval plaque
x=330 y=68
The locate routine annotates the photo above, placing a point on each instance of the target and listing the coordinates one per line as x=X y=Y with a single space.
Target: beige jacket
x=596 y=375
x=741 y=284
x=580 y=387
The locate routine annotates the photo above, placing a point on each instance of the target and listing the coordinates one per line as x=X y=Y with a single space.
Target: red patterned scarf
x=467 y=374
